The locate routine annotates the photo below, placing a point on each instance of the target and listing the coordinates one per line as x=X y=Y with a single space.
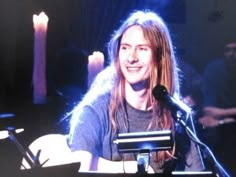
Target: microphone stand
x=143 y=161
x=181 y=117
x=32 y=160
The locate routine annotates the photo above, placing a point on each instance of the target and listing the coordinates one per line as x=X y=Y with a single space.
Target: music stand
x=143 y=143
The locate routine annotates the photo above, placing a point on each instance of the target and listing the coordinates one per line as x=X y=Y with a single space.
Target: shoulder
x=102 y=100
x=212 y=69
x=93 y=107
x=99 y=107
x=93 y=101
x=217 y=63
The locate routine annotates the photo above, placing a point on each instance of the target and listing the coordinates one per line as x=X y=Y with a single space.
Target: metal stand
x=143 y=143
x=181 y=117
x=32 y=160
x=143 y=162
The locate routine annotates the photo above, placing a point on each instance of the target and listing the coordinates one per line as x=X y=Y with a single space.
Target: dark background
x=76 y=28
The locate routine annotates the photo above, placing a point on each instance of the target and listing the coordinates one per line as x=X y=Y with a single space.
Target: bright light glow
x=3 y=134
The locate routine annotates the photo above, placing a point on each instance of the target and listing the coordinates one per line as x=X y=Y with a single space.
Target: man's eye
x=142 y=48
x=123 y=47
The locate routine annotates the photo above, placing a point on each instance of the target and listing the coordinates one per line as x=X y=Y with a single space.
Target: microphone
x=179 y=111
x=178 y=108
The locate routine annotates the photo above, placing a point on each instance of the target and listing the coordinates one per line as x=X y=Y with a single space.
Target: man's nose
x=133 y=56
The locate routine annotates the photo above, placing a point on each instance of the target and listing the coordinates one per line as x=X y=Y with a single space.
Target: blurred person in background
x=219 y=107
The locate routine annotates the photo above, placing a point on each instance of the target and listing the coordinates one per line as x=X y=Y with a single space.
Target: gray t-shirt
x=93 y=133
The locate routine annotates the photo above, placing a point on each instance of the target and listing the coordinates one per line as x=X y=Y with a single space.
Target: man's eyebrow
x=139 y=45
x=125 y=43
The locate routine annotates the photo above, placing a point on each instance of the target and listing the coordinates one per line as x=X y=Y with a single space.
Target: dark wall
x=76 y=28
x=85 y=25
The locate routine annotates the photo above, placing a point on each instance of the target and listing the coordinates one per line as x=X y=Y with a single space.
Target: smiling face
x=135 y=56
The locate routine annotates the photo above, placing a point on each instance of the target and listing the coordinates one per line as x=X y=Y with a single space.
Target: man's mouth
x=134 y=68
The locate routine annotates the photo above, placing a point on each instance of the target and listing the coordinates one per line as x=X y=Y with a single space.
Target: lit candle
x=95 y=65
x=39 y=69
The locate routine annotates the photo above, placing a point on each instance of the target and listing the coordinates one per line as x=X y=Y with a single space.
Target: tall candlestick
x=39 y=69
x=95 y=65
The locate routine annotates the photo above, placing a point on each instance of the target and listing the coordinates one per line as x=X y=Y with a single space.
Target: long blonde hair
x=163 y=70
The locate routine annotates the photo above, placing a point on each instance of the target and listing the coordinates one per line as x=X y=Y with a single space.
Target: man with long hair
x=120 y=100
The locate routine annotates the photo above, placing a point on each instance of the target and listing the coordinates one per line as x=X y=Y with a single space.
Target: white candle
x=95 y=65
x=39 y=69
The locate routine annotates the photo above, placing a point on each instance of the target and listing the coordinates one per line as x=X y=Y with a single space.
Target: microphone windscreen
x=159 y=92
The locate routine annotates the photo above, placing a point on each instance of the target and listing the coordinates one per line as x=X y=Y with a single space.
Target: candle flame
x=40 y=20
